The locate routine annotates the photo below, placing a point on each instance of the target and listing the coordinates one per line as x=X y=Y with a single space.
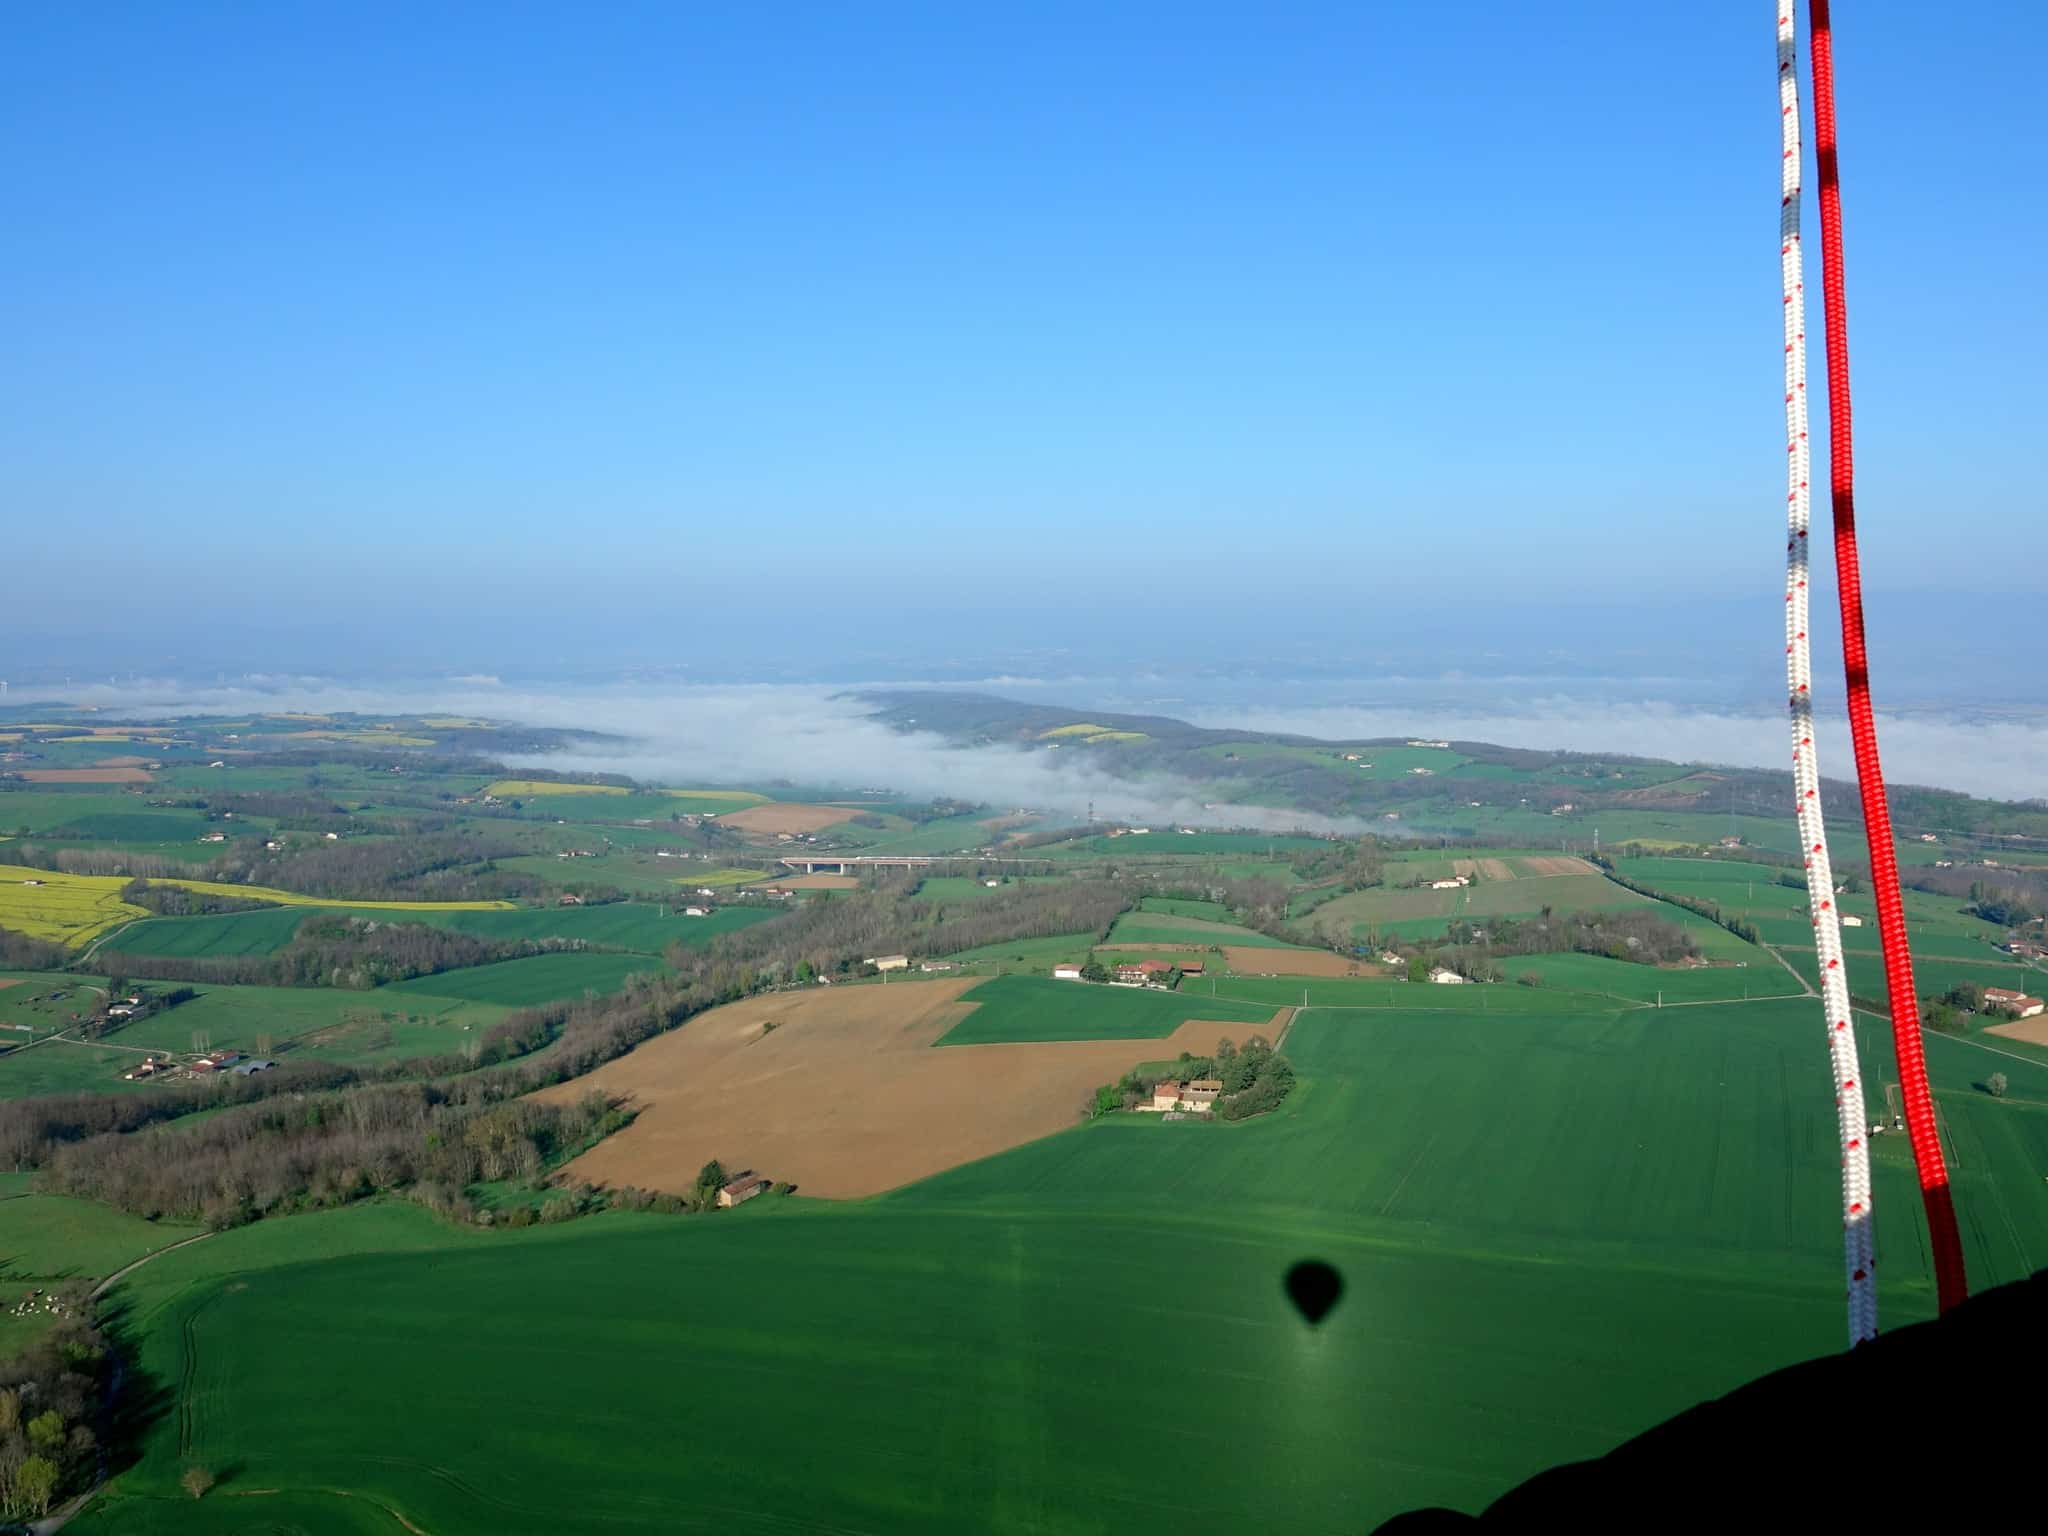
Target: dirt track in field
x=2033 y=1031
x=85 y=776
x=844 y=1097
x=787 y=818
x=1249 y=960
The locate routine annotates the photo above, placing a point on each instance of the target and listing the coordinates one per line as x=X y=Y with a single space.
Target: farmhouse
x=1451 y=884
x=1731 y=842
x=1193 y=967
x=1851 y=920
x=889 y=962
x=1066 y=971
x=1443 y=977
x=2018 y=1004
x=930 y=966
x=696 y=911
x=213 y=837
x=741 y=1190
x=1142 y=972
x=1201 y=1093
x=2025 y=949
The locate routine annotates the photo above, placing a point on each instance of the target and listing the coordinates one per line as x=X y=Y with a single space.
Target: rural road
x=1804 y=985
x=129 y=1268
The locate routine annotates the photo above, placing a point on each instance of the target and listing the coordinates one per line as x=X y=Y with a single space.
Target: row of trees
x=285 y=1154
x=1741 y=927
x=25 y=952
x=178 y=901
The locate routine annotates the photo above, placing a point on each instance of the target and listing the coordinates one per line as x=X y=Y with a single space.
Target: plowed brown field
x=787 y=818
x=2034 y=1031
x=1248 y=960
x=843 y=1097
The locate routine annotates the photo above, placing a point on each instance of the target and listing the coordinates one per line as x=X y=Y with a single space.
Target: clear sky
x=412 y=315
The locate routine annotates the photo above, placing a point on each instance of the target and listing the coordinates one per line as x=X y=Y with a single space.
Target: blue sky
x=353 y=316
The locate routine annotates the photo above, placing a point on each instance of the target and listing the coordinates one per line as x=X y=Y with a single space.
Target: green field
x=1039 y=955
x=517 y=983
x=1554 y=1231
x=1161 y=928
x=1644 y=983
x=1207 y=911
x=1010 y=1008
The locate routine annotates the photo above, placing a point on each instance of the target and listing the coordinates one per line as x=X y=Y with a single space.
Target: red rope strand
x=1877 y=824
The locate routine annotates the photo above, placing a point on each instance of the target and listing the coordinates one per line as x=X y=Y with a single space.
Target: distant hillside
x=1435 y=786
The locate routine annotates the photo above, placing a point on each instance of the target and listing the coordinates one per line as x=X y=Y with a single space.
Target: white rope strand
x=1857 y=1261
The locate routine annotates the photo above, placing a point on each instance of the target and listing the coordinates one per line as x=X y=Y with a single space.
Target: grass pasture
x=54 y=1237
x=1555 y=1230
x=1032 y=1008
x=1644 y=983
x=520 y=983
x=322 y=1023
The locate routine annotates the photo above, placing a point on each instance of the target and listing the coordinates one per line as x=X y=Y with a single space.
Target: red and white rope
x=1909 y=1055
x=1857 y=1261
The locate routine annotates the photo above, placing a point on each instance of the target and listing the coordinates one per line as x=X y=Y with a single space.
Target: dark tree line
x=25 y=952
x=177 y=901
x=283 y=1155
x=1633 y=934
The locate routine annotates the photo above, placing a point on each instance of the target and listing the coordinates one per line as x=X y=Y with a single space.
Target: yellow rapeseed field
x=72 y=909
